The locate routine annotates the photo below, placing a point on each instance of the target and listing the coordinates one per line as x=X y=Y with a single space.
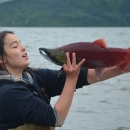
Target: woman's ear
x=1 y=61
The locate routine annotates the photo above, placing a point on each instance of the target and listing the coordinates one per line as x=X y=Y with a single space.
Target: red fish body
x=97 y=54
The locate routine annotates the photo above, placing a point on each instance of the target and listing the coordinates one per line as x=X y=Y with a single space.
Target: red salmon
x=98 y=55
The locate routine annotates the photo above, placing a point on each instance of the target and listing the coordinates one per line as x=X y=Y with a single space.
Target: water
x=1 y=1
x=101 y=106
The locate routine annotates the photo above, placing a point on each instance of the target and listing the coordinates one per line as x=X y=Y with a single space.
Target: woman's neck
x=16 y=72
x=17 y=75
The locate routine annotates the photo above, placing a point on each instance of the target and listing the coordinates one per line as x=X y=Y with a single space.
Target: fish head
x=55 y=56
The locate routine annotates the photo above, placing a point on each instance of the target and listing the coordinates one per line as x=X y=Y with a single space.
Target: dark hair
x=2 y=51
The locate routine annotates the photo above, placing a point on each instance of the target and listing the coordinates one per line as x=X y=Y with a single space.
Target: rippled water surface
x=101 y=106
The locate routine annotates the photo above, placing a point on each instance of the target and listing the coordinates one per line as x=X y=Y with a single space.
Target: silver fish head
x=55 y=56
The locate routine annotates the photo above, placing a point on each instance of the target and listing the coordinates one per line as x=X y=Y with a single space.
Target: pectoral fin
x=124 y=66
x=60 y=71
x=99 y=72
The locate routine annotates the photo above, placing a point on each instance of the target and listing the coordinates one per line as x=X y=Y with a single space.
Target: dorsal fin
x=101 y=42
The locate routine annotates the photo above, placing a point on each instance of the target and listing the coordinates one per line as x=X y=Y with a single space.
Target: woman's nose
x=23 y=48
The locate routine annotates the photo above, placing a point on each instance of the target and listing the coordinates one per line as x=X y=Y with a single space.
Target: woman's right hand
x=72 y=69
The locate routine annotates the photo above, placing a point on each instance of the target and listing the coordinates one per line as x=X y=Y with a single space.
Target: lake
x=100 y=106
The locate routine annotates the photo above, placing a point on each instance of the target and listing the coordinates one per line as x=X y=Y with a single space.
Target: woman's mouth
x=25 y=55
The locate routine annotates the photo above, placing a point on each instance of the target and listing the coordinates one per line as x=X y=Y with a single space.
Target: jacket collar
x=27 y=78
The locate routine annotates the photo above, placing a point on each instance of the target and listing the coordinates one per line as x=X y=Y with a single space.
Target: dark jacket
x=23 y=102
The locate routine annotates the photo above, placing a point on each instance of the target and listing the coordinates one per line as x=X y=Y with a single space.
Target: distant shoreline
x=44 y=13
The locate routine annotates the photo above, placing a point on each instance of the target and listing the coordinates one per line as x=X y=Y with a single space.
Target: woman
x=25 y=93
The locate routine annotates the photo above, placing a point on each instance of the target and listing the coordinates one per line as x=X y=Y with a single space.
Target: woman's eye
x=15 y=46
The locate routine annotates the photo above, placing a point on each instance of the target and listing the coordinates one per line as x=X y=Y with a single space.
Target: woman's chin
x=26 y=65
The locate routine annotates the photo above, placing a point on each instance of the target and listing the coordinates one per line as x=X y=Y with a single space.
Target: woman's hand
x=72 y=69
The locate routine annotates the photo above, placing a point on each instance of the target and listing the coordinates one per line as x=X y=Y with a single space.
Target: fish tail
x=123 y=66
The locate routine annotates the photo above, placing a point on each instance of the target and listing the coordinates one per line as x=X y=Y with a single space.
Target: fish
x=97 y=55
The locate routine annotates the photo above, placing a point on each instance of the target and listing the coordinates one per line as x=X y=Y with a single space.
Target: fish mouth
x=41 y=51
x=55 y=56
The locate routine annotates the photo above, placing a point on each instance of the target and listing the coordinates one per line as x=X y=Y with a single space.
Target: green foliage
x=65 y=13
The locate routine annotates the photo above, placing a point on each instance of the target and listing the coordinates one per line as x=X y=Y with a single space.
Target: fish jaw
x=55 y=56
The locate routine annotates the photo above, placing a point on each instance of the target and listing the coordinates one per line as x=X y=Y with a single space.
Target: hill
x=67 y=13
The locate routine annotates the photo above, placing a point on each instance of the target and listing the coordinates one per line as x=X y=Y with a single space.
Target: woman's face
x=15 y=55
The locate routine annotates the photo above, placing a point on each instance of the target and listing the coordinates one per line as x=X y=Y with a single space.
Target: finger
x=64 y=67
x=80 y=63
x=73 y=59
x=68 y=59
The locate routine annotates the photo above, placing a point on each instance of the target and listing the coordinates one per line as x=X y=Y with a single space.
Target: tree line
x=67 y=13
